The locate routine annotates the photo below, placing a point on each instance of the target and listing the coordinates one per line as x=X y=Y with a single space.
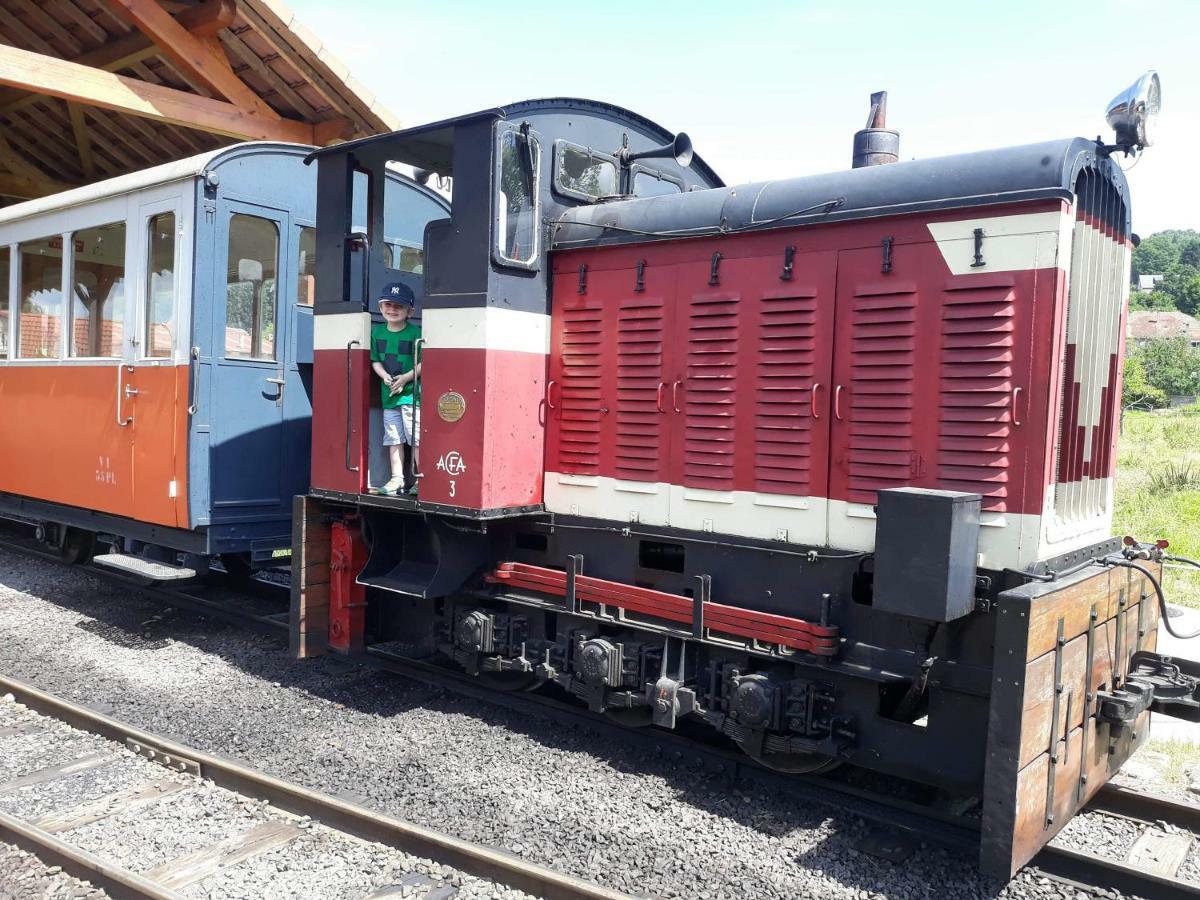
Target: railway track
x=904 y=822
x=60 y=831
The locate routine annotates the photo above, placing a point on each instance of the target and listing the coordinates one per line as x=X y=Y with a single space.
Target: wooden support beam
x=70 y=81
x=82 y=142
x=199 y=57
x=24 y=188
x=203 y=20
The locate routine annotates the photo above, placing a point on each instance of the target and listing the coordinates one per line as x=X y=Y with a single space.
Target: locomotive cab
x=484 y=301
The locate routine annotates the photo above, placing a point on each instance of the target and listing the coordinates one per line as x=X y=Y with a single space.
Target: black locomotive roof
x=431 y=146
x=1030 y=172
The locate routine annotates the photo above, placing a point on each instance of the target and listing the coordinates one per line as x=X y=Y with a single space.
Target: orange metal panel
x=60 y=440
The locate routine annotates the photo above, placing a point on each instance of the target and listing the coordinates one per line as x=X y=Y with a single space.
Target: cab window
x=250 y=288
x=584 y=174
x=160 y=285
x=98 y=291
x=649 y=183
x=40 y=326
x=517 y=202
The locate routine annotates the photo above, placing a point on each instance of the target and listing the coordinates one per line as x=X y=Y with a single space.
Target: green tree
x=1136 y=391
x=1170 y=364
x=1158 y=253
x=1153 y=300
x=1190 y=254
x=1182 y=284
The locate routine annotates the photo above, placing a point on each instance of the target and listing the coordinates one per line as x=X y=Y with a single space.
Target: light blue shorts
x=400 y=425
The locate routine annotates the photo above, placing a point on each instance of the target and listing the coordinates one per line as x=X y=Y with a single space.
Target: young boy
x=393 y=357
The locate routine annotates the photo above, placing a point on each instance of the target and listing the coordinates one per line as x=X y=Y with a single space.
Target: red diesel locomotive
x=825 y=463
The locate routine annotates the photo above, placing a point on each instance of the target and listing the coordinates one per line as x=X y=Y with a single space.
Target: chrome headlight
x=1132 y=114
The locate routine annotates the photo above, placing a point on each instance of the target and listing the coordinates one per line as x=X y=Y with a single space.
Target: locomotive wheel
x=630 y=717
x=795 y=763
x=508 y=682
x=77 y=546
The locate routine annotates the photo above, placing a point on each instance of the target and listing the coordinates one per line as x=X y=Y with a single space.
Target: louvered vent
x=783 y=381
x=881 y=405
x=639 y=375
x=579 y=407
x=976 y=393
x=711 y=394
x=1090 y=366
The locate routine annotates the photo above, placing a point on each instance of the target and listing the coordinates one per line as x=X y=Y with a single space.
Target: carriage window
x=250 y=288
x=652 y=184
x=4 y=318
x=306 y=267
x=40 y=327
x=580 y=173
x=98 y=292
x=160 y=285
x=517 y=205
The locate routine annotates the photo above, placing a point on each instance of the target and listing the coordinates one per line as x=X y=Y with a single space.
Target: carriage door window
x=98 y=291
x=40 y=327
x=250 y=288
x=160 y=285
x=4 y=317
x=306 y=267
x=517 y=200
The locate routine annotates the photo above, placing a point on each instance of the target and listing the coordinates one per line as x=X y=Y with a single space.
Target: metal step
x=144 y=568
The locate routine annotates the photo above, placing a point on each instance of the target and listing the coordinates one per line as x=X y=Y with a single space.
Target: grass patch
x=1158 y=489
x=1178 y=760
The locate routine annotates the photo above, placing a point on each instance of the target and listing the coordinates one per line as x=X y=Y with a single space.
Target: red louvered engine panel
x=879 y=408
x=711 y=389
x=576 y=391
x=639 y=443
x=977 y=387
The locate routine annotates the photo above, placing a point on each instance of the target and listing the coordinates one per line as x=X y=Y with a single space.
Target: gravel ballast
x=528 y=785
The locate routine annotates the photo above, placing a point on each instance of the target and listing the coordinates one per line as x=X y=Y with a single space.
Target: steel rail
x=118 y=883
x=945 y=829
x=350 y=818
x=1085 y=870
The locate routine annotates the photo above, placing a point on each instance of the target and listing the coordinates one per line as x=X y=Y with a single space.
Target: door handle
x=662 y=386
x=1016 y=393
x=349 y=402
x=675 y=396
x=812 y=403
x=837 y=403
x=550 y=394
x=123 y=421
x=195 y=378
x=279 y=382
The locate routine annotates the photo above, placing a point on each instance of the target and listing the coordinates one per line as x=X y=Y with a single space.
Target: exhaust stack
x=876 y=144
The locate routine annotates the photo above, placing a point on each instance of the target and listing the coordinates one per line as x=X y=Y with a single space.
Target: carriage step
x=147 y=569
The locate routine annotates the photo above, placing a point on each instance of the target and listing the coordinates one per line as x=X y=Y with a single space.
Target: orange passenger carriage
x=823 y=463
x=156 y=352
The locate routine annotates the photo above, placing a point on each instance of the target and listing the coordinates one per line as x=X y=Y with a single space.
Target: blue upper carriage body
x=237 y=288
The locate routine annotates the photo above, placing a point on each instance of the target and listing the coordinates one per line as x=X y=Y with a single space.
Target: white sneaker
x=393 y=486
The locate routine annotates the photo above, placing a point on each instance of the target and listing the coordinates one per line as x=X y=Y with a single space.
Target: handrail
x=194 y=374
x=350 y=400
x=416 y=435
x=121 y=420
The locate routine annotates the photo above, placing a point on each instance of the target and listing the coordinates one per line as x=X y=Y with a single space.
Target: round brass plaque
x=451 y=406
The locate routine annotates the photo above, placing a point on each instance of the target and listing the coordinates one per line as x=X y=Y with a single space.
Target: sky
x=771 y=89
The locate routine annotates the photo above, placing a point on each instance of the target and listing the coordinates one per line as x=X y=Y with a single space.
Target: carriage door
x=249 y=364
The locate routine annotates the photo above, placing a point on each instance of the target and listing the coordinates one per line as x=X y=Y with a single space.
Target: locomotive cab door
x=248 y=457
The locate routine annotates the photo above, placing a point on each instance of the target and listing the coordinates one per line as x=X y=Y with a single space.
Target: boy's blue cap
x=397 y=292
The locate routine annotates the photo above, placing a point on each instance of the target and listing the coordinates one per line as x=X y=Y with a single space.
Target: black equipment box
x=926 y=550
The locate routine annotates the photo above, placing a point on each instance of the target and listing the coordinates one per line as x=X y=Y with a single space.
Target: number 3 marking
x=451 y=488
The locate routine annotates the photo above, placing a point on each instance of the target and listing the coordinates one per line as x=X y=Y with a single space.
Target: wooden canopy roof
x=90 y=89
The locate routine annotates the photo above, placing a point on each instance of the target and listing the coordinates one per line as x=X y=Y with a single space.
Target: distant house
x=1147 y=283
x=1145 y=325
